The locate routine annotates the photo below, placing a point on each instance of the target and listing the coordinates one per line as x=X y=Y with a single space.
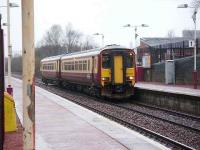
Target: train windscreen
x=106 y=61
x=129 y=61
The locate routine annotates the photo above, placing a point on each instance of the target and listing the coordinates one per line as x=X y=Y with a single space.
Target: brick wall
x=183 y=71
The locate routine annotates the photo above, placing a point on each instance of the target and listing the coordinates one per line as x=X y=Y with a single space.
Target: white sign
x=146 y=61
x=191 y=43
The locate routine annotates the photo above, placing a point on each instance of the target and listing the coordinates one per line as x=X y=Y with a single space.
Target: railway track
x=99 y=106
x=173 y=112
x=156 y=117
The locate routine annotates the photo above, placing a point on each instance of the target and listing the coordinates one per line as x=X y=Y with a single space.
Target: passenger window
x=72 y=65
x=88 y=65
x=84 y=65
x=106 y=61
x=76 y=65
x=80 y=65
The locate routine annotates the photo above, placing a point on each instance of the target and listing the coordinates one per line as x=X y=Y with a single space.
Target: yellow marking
x=130 y=72
x=105 y=73
x=118 y=69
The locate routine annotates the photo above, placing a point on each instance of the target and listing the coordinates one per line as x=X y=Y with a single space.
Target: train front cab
x=117 y=73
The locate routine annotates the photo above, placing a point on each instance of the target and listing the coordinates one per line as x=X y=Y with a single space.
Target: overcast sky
x=104 y=16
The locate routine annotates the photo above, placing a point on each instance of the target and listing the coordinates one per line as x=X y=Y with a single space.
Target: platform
x=175 y=89
x=61 y=124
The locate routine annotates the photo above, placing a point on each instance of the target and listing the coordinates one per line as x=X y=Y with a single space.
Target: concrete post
x=28 y=74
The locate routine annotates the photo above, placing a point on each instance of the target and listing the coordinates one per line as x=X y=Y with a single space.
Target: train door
x=118 y=69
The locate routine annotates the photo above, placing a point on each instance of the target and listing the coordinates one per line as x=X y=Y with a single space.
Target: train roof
x=52 y=58
x=114 y=46
x=91 y=52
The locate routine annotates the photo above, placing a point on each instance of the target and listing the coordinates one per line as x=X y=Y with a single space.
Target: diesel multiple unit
x=108 y=72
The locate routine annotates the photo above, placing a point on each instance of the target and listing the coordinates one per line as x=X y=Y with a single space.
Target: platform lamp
x=194 y=74
x=102 y=38
x=9 y=5
x=136 y=35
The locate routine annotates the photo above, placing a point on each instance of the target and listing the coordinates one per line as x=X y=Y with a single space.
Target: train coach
x=108 y=72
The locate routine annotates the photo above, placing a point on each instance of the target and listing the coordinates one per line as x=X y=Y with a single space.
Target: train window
x=106 y=61
x=76 y=65
x=84 y=65
x=88 y=65
x=80 y=65
x=65 y=66
x=72 y=65
x=129 y=61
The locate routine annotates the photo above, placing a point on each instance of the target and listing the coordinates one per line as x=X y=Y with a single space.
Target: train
x=107 y=72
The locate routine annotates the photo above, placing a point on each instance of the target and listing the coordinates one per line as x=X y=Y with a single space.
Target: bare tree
x=53 y=36
x=171 y=34
x=196 y=3
x=88 y=43
x=71 y=39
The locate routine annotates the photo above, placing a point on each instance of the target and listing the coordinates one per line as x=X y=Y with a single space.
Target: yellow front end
x=117 y=81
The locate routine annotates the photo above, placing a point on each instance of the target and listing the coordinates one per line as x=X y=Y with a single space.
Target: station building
x=164 y=48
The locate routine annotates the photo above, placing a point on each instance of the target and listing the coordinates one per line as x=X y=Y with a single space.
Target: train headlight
x=130 y=78
x=105 y=78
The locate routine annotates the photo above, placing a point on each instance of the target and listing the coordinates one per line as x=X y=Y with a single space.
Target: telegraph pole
x=28 y=55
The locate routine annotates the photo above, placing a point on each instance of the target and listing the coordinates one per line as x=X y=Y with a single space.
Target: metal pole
x=1 y=87
x=9 y=45
x=195 y=50
x=136 y=45
x=28 y=55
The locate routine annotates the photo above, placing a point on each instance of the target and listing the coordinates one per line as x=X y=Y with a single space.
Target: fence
x=160 y=53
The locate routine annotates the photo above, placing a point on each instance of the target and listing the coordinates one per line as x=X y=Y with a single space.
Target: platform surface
x=168 y=88
x=63 y=125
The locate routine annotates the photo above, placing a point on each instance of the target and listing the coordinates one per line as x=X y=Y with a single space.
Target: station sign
x=191 y=43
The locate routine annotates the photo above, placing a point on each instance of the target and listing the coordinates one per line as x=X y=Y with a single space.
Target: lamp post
x=102 y=37
x=9 y=88
x=194 y=75
x=136 y=35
